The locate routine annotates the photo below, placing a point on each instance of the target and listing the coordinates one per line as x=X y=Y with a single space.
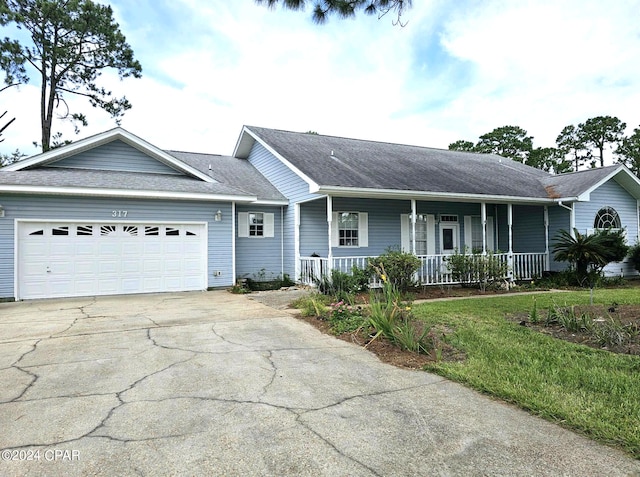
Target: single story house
x=113 y=214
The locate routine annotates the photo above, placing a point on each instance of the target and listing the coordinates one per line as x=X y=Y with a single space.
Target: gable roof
x=581 y=184
x=230 y=179
x=92 y=142
x=354 y=167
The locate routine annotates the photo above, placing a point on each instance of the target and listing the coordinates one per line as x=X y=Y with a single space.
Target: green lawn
x=589 y=390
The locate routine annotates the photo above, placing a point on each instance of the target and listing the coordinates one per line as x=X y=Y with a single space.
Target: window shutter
x=468 y=234
x=268 y=224
x=243 y=224
x=363 y=229
x=334 y=230
x=405 y=234
x=431 y=234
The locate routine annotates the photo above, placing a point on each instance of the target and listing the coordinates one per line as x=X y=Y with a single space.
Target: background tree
x=322 y=9
x=462 y=145
x=507 y=141
x=548 y=159
x=6 y=159
x=572 y=146
x=72 y=41
x=628 y=152
x=599 y=131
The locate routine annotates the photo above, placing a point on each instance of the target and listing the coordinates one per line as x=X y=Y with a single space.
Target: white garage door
x=61 y=259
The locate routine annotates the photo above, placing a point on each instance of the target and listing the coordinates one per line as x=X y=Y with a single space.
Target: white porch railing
x=527 y=266
x=434 y=269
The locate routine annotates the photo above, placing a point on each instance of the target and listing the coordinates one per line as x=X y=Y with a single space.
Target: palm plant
x=588 y=254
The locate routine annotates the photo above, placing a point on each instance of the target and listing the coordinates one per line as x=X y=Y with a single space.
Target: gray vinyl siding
x=384 y=223
x=291 y=186
x=51 y=208
x=611 y=194
x=260 y=258
x=115 y=156
x=559 y=219
x=528 y=229
x=314 y=237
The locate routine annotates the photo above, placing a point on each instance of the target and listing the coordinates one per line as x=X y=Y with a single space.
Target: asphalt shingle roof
x=343 y=162
x=232 y=176
x=63 y=177
x=232 y=171
x=575 y=183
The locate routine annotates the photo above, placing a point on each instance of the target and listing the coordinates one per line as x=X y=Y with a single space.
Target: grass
x=592 y=391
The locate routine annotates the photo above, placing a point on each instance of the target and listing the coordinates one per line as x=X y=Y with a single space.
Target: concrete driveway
x=218 y=384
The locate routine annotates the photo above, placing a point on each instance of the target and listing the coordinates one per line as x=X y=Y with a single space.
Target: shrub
x=312 y=305
x=477 y=270
x=400 y=268
x=634 y=256
x=340 y=285
x=345 y=318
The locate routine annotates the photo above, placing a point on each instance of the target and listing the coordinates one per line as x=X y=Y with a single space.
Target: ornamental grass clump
x=391 y=317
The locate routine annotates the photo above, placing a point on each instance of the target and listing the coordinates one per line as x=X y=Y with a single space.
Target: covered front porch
x=434 y=269
x=339 y=233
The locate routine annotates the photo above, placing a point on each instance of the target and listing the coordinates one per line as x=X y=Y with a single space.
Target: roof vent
x=331 y=152
x=209 y=166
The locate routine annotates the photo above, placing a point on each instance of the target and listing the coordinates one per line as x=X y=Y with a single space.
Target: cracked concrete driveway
x=218 y=384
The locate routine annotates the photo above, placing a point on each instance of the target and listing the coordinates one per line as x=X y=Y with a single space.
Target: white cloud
x=210 y=66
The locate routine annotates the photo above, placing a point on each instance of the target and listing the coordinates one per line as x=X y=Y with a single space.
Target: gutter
x=372 y=193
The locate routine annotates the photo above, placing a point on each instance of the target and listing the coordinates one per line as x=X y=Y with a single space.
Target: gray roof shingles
x=238 y=173
x=378 y=165
x=232 y=177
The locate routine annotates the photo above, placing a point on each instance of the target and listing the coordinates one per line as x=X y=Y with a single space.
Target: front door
x=449 y=238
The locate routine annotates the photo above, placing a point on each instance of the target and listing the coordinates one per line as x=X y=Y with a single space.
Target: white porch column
x=483 y=220
x=546 y=237
x=329 y=225
x=510 y=227
x=413 y=225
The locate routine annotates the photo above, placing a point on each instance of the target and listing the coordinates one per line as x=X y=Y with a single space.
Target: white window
x=607 y=218
x=350 y=229
x=255 y=224
x=425 y=234
x=473 y=233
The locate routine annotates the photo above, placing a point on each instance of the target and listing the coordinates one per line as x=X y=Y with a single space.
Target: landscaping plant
x=400 y=268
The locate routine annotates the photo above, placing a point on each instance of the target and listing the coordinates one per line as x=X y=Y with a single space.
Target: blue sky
x=456 y=71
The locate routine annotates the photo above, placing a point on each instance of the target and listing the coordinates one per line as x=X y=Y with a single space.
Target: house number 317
x=118 y=213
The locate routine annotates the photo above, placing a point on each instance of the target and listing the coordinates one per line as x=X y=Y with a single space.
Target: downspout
x=282 y=241
x=546 y=236
x=233 y=242
x=329 y=231
x=572 y=217
x=510 y=229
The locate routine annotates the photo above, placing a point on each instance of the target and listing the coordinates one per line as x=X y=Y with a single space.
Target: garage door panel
x=96 y=259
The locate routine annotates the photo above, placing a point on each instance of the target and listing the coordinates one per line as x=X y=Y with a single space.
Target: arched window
x=607 y=218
